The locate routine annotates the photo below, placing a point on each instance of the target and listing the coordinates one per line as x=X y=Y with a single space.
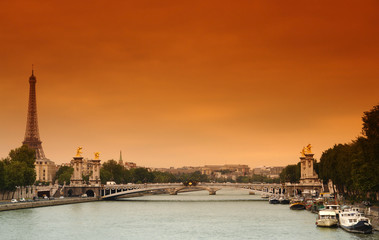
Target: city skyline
x=184 y=84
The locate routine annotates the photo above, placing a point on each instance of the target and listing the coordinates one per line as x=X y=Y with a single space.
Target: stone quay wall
x=21 y=192
x=373 y=214
x=45 y=203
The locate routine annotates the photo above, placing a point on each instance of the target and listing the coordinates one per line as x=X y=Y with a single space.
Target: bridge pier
x=212 y=191
x=173 y=191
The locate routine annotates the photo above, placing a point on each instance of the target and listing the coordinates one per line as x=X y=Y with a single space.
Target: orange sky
x=174 y=83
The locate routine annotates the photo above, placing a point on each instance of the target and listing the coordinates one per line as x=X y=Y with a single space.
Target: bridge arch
x=90 y=193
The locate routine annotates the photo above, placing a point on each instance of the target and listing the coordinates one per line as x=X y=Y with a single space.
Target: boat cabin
x=326 y=214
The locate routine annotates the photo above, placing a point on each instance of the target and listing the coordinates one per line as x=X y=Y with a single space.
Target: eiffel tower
x=32 y=139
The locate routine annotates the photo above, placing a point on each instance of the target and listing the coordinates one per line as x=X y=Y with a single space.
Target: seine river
x=231 y=214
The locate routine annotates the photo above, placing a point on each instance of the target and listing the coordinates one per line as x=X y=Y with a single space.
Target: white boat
x=336 y=208
x=326 y=218
x=352 y=220
x=265 y=196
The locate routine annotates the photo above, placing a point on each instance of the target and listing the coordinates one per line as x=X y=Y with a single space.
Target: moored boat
x=273 y=200
x=265 y=196
x=283 y=200
x=326 y=218
x=317 y=206
x=352 y=220
x=308 y=203
x=336 y=208
x=297 y=205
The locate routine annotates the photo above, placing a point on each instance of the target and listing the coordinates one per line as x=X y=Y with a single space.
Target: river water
x=231 y=214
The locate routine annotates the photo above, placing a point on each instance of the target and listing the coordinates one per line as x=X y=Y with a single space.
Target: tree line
x=18 y=170
x=353 y=167
x=112 y=171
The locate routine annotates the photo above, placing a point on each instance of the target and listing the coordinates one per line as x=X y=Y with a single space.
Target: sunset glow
x=179 y=83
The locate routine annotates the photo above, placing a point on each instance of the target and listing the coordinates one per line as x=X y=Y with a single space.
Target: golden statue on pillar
x=79 y=152
x=97 y=155
x=303 y=152
x=308 y=149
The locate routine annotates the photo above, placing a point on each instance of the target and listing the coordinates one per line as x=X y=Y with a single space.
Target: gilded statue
x=308 y=149
x=79 y=152
x=97 y=155
x=303 y=152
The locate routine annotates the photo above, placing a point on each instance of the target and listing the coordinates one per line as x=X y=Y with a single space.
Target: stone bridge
x=111 y=192
x=118 y=191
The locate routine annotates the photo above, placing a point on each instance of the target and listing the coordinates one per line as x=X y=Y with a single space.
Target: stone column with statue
x=77 y=164
x=308 y=175
x=94 y=178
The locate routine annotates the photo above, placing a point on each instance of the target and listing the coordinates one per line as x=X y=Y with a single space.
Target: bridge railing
x=147 y=185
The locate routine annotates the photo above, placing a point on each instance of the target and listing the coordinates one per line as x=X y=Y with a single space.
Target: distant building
x=130 y=165
x=237 y=169
x=271 y=172
x=127 y=165
x=226 y=171
x=182 y=170
x=45 y=170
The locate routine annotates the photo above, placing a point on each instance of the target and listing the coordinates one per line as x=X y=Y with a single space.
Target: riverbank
x=373 y=214
x=45 y=203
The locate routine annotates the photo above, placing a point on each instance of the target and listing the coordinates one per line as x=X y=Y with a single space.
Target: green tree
x=142 y=175
x=24 y=154
x=163 y=177
x=354 y=167
x=336 y=164
x=112 y=171
x=290 y=173
x=105 y=175
x=243 y=179
x=63 y=175
x=127 y=176
x=3 y=183
x=198 y=177
x=17 y=170
x=370 y=130
x=370 y=127
x=14 y=175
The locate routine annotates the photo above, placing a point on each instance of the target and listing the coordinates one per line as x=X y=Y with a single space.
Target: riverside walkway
x=44 y=203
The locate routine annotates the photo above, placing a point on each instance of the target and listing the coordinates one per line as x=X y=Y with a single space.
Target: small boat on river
x=336 y=208
x=351 y=220
x=284 y=200
x=308 y=203
x=317 y=206
x=273 y=200
x=326 y=218
x=297 y=205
